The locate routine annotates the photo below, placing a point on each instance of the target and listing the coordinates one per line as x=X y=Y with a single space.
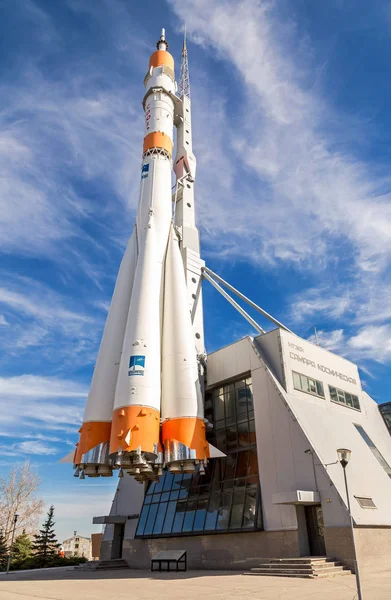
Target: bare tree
x=18 y=494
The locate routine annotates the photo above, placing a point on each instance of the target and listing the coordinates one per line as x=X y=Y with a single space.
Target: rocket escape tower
x=144 y=411
x=184 y=80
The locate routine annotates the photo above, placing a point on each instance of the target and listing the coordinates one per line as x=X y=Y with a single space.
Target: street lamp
x=12 y=543
x=343 y=458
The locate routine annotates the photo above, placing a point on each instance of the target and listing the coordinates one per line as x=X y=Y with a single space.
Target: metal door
x=315 y=529
x=118 y=538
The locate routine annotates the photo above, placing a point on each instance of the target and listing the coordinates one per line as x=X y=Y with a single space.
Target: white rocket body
x=93 y=448
x=146 y=386
x=180 y=380
x=183 y=428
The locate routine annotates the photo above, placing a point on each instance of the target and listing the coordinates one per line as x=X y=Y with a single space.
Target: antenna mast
x=184 y=81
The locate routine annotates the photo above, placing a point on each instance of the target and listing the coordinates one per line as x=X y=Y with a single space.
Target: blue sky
x=291 y=132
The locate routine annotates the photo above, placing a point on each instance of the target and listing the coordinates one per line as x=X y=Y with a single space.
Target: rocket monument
x=144 y=410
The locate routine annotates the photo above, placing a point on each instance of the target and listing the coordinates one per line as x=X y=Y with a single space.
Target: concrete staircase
x=104 y=565
x=303 y=567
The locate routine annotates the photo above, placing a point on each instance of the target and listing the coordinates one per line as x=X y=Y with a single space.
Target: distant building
x=78 y=545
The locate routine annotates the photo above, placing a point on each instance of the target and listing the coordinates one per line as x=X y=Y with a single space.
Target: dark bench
x=163 y=560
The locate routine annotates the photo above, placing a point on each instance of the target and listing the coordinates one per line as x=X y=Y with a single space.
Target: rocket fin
x=68 y=458
x=215 y=452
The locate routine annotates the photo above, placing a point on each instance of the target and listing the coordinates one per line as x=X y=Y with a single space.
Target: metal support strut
x=211 y=276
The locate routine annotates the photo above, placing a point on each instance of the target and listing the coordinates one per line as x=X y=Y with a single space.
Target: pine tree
x=23 y=547
x=3 y=551
x=45 y=544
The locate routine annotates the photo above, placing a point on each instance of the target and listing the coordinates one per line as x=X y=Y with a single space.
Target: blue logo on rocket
x=136 y=365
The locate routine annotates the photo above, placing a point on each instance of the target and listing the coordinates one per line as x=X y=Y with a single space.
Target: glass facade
x=385 y=410
x=225 y=498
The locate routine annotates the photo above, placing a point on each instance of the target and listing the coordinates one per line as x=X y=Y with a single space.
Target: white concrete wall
x=231 y=361
x=128 y=500
x=328 y=426
x=271 y=351
x=283 y=464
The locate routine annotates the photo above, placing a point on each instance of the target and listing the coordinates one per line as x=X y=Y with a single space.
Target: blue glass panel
x=170 y=514
x=165 y=496
x=142 y=520
x=151 y=519
x=168 y=482
x=151 y=488
x=159 y=484
x=178 y=521
x=212 y=514
x=161 y=513
x=200 y=514
x=189 y=516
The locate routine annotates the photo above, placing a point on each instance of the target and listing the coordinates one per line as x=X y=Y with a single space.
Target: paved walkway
x=214 y=585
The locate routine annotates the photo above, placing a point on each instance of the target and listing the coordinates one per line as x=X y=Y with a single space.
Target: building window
x=341 y=397
x=375 y=451
x=76 y=546
x=227 y=497
x=307 y=384
x=385 y=410
x=365 y=502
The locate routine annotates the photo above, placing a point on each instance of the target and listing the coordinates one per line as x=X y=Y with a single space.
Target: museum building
x=278 y=407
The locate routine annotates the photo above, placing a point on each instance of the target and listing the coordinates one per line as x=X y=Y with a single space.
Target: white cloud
x=331 y=302
x=30 y=436
x=361 y=302
x=40 y=302
x=103 y=305
x=331 y=340
x=310 y=188
x=32 y=407
x=372 y=342
x=35 y=447
x=82 y=126
x=40 y=387
x=43 y=318
x=3 y=321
